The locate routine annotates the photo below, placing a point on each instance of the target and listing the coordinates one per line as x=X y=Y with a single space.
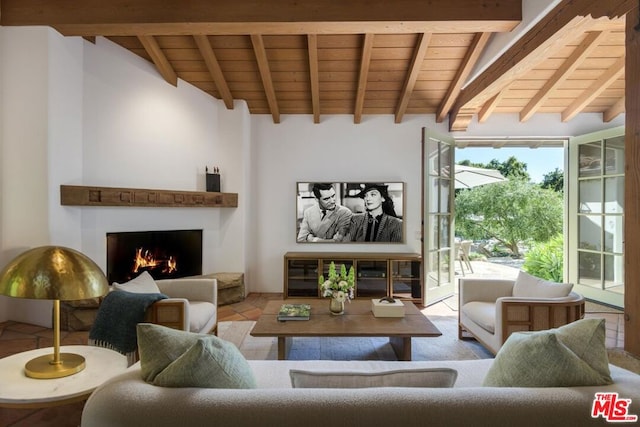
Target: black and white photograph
x=349 y=212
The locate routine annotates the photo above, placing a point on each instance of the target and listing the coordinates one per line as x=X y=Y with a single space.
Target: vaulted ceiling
x=362 y=57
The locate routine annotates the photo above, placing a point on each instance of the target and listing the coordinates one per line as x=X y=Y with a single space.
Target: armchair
x=191 y=306
x=490 y=312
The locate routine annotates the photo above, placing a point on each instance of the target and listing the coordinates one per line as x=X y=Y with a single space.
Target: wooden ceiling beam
x=265 y=74
x=552 y=32
x=362 y=79
x=594 y=90
x=159 y=59
x=476 y=48
x=213 y=66
x=116 y=17
x=489 y=107
x=614 y=111
x=312 y=46
x=569 y=66
x=414 y=69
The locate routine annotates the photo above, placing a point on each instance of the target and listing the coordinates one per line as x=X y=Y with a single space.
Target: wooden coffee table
x=357 y=321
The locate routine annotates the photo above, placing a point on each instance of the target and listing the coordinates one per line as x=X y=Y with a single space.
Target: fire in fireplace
x=164 y=254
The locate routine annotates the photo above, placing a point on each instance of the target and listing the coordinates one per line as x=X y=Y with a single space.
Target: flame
x=145 y=259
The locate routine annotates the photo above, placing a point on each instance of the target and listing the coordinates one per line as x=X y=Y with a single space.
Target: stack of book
x=294 y=312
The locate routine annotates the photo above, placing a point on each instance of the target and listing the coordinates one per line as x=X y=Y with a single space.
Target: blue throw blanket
x=115 y=324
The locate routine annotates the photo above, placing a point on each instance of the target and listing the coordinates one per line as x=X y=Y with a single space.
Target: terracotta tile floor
x=16 y=337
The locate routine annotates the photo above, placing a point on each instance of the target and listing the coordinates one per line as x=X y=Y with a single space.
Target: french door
x=596 y=216
x=437 y=216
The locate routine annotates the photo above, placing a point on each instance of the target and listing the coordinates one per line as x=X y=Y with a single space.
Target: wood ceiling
x=362 y=57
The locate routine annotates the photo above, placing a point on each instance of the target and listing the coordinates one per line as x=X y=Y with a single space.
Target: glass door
x=437 y=216
x=596 y=216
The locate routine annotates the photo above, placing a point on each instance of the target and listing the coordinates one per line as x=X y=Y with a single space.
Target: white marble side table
x=19 y=391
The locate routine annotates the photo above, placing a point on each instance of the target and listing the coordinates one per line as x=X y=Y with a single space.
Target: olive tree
x=512 y=212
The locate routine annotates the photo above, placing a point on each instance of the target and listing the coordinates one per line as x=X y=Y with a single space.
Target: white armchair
x=191 y=306
x=489 y=311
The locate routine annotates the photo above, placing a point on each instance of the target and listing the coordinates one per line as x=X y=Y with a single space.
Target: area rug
x=445 y=347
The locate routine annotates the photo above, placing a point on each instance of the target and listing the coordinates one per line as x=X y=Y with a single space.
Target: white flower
x=340 y=296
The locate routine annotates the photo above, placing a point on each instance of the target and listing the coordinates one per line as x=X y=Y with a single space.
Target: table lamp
x=56 y=273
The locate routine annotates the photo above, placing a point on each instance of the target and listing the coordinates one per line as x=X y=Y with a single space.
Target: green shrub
x=545 y=260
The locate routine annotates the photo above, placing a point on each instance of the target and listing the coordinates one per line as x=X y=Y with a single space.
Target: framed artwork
x=350 y=212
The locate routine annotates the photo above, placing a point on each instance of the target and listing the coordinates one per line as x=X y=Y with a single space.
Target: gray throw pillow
x=210 y=363
x=173 y=358
x=436 y=377
x=572 y=355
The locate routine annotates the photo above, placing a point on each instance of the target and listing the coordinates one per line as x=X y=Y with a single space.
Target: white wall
x=99 y=115
x=141 y=132
x=24 y=169
x=334 y=150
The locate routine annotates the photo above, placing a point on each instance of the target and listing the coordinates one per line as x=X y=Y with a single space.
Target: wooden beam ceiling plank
x=594 y=90
x=568 y=67
x=476 y=48
x=265 y=74
x=365 y=62
x=159 y=59
x=568 y=18
x=614 y=111
x=312 y=42
x=81 y=17
x=213 y=66
x=489 y=107
x=419 y=52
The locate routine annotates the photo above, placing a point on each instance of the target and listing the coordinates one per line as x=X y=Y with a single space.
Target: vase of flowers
x=338 y=286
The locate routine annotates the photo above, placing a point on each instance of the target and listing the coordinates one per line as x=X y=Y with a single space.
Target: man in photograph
x=326 y=221
x=379 y=223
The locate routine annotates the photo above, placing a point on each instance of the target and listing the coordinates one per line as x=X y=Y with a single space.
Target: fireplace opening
x=164 y=254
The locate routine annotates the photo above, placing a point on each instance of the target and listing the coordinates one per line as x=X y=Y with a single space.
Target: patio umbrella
x=469 y=177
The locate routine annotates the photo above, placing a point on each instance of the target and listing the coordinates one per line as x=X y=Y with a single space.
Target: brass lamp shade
x=55 y=273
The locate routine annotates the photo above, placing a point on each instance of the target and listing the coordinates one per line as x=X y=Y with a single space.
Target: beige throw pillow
x=437 y=377
x=142 y=284
x=528 y=286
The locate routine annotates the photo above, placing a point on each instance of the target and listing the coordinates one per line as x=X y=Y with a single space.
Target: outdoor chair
x=492 y=309
x=463 y=249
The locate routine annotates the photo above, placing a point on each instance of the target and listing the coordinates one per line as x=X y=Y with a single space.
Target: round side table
x=20 y=391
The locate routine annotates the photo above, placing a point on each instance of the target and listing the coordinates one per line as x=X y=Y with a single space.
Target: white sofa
x=129 y=401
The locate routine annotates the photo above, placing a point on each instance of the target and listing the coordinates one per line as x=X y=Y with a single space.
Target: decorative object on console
x=339 y=287
x=346 y=212
x=56 y=273
x=213 y=179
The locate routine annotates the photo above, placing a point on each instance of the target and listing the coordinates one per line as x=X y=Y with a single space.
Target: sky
x=539 y=161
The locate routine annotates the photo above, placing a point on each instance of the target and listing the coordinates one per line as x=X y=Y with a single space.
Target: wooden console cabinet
x=377 y=274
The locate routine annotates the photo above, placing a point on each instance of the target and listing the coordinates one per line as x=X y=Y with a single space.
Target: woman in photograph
x=379 y=223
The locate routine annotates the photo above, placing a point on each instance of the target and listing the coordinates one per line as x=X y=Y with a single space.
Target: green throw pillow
x=572 y=355
x=173 y=358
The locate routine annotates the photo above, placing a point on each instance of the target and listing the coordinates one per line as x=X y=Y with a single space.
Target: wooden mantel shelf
x=77 y=195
